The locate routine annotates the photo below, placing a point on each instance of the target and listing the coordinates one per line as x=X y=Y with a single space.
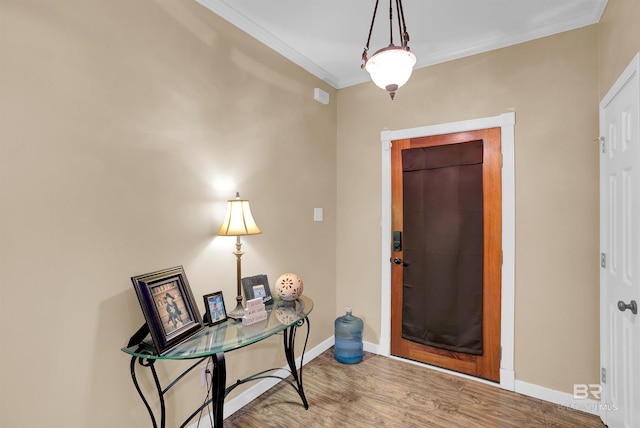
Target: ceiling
x=327 y=37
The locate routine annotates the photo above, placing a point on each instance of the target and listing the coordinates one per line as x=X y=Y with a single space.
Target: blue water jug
x=348 y=335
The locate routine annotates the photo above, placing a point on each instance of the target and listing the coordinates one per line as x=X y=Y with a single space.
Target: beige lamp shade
x=238 y=220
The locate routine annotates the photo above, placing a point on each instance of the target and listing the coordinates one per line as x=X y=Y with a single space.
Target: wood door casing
x=487 y=365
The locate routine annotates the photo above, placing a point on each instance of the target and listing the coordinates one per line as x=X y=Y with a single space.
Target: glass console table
x=213 y=342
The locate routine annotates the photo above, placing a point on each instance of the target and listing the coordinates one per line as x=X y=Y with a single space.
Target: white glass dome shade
x=391 y=67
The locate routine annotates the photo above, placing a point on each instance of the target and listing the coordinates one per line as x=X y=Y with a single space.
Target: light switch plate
x=317 y=214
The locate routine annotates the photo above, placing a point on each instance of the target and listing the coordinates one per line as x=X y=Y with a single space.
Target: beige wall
x=551 y=85
x=618 y=40
x=125 y=127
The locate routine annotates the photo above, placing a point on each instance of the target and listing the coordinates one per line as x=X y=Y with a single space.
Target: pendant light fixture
x=390 y=67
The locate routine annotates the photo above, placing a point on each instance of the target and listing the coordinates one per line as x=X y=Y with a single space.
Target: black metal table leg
x=289 y=351
x=218 y=384
x=217 y=391
x=149 y=363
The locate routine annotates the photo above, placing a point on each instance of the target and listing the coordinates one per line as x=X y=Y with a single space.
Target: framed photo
x=214 y=308
x=257 y=286
x=168 y=307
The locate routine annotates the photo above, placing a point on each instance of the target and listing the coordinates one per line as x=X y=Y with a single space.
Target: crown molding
x=228 y=13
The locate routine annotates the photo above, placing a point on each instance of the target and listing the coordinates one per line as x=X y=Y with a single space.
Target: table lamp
x=238 y=222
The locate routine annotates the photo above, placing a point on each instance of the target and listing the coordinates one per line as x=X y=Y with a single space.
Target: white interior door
x=620 y=247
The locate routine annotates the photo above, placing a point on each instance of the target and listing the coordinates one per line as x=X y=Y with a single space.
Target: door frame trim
x=506 y=122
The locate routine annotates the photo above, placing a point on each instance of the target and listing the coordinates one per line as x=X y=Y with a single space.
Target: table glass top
x=230 y=334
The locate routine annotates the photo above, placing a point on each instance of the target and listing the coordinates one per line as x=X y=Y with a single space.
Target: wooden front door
x=482 y=359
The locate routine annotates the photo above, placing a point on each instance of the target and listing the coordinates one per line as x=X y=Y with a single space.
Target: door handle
x=632 y=306
x=399 y=261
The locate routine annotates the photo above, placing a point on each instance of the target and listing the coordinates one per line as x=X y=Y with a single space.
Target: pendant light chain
x=404 y=36
x=391 y=23
x=366 y=48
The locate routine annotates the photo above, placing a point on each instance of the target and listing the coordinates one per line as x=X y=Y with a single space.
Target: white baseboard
x=374 y=348
x=564 y=400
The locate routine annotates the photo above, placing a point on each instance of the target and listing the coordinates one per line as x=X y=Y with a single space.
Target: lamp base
x=238 y=312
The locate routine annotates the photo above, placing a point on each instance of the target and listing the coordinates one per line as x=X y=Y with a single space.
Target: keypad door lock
x=397 y=241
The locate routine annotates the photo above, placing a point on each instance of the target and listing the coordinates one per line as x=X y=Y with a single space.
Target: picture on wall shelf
x=214 y=307
x=168 y=307
x=257 y=286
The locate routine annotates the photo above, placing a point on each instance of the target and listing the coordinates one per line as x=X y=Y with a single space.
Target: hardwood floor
x=383 y=392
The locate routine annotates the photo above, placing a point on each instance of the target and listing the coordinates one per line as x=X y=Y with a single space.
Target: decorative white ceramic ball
x=289 y=286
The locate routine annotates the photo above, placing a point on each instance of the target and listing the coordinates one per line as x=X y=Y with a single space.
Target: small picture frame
x=215 y=311
x=169 y=309
x=257 y=286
